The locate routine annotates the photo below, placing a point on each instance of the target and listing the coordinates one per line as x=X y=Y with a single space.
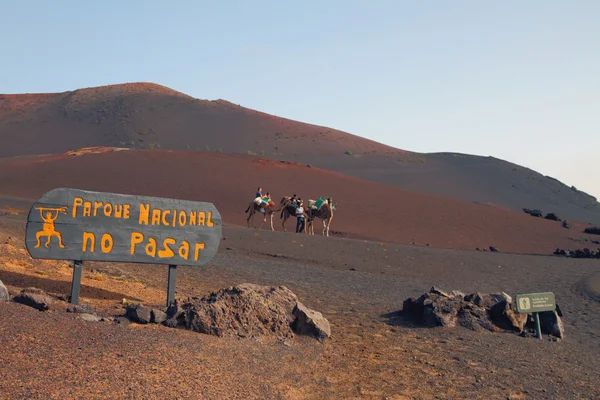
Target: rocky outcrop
x=4 y=296
x=553 y=217
x=310 y=322
x=249 y=310
x=592 y=230
x=244 y=310
x=579 y=253
x=566 y=225
x=34 y=297
x=476 y=311
x=534 y=213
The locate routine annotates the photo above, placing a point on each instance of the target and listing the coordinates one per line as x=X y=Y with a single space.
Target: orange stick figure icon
x=49 y=215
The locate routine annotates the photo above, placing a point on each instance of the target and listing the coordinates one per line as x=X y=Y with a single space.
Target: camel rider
x=258 y=193
x=263 y=201
x=294 y=200
x=299 y=217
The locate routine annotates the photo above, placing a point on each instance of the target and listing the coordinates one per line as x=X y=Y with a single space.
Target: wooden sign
x=71 y=224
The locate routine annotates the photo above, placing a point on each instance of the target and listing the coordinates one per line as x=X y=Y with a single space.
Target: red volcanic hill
x=150 y=116
x=365 y=209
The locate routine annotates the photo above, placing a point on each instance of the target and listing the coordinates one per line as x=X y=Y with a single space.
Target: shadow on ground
x=60 y=288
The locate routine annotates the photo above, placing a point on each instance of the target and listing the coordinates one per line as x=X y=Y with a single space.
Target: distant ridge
x=145 y=115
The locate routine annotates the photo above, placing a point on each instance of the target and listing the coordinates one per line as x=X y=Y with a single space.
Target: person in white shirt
x=300 y=216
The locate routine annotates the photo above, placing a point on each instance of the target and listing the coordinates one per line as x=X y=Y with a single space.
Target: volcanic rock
x=157 y=316
x=310 y=322
x=566 y=225
x=245 y=310
x=592 y=230
x=552 y=324
x=4 y=296
x=139 y=314
x=504 y=315
x=90 y=317
x=81 y=309
x=34 y=297
x=553 y=217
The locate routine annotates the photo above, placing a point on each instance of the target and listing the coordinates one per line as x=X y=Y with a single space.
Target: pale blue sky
x=519 y=80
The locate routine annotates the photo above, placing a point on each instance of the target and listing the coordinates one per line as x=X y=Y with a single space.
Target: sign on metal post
x=78 y=225
x=536 y=303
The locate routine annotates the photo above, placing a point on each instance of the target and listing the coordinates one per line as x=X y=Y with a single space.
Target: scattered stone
x=534 y=213
x=157 y=316
x=121 y=321
x=138 y=314
x=245 y=310
x=553 y=217
x=172 y=323
x=90 y=317
x=552 y=324
x=437 y=291
x=493 y=249
x=310 y=322
x=81 y=309
x=592 y=230
x=4 y=296
x=580 y=253
x=566 y=225
x=34 y=297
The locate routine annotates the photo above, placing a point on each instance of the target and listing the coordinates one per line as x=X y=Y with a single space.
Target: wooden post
x=171 y=284
x=76 y=282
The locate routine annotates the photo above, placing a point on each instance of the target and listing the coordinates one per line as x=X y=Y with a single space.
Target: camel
x=286 y=211
x=269 y=209
x=325 y=212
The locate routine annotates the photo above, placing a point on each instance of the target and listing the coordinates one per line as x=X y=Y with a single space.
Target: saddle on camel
x=321 y=208
x=289 y=206
x=263 y=205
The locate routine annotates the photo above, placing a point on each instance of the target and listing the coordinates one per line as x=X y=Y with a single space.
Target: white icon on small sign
x=524 y=303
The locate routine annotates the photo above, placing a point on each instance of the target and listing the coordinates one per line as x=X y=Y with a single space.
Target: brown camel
x=269 y=209
x=325 y=212
x=288 y=210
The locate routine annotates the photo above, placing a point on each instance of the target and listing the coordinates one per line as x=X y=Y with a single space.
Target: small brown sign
x=72 y=224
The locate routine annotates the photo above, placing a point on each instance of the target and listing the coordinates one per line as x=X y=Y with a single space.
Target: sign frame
x=536 y=303
x=81 y=225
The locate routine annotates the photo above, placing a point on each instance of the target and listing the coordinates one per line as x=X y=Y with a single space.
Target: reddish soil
x=365 y=209
x=150 y=116
x=357 y=285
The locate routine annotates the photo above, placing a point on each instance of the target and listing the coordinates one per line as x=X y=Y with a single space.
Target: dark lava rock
x=552 y=324
x=534 y=213
x=139 y=314
x=157 y=316
x=505 y=316
x=121 y=321
x=553 y=217
x=592 y=230
x=493 y=249
x=34 y=297
x=579 y=253
x=310 y=322
x=566 y=225
x=4 y=296
x=245 y=310
x=82 y=309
